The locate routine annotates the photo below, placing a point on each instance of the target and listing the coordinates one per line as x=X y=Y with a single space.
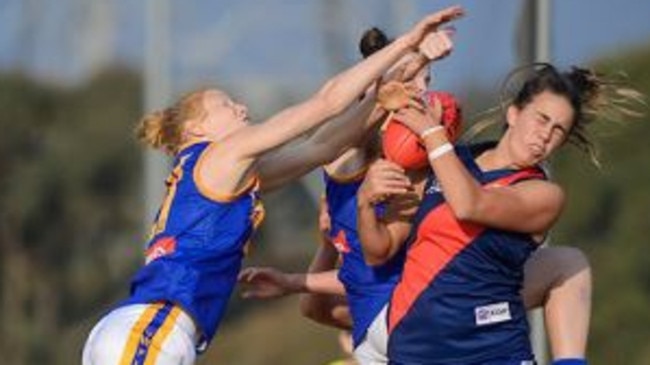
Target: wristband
x=440 y=150
x=431 y=130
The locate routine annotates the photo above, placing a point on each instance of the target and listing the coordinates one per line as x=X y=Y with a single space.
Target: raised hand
x=436 y=45
x=419 y=116
x=431 y=23
x=383 y=179
x=394 y=95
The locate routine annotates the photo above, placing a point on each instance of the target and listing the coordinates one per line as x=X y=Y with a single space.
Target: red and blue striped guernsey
x=458 y=300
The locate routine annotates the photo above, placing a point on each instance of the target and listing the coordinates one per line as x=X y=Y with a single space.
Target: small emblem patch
x=493 y=313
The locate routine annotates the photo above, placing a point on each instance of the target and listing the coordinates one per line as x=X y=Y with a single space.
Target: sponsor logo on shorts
x=493 y=313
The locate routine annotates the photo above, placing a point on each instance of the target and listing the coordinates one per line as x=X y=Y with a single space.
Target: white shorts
x=158 y=333
x=374 y=347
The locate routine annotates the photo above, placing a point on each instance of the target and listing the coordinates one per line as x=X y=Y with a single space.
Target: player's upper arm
x=530 y=206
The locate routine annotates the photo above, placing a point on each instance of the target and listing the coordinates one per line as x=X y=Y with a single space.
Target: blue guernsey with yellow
x=368 y=288
x=197 y=245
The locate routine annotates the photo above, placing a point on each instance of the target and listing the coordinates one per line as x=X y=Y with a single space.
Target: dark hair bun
x=372 y=41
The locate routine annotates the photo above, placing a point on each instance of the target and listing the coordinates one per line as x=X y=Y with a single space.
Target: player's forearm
x=373 y=234
x=291 y=161
x=323 y=283
x=342 y=89
x=345 y=130
x=414 y=66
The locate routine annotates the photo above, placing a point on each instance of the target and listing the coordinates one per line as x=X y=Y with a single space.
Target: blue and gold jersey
x=197 y=244
x=367 y=288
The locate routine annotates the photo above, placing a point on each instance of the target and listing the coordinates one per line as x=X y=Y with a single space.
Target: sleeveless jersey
x=368 y=288
x=197 y=245
x=458 y=299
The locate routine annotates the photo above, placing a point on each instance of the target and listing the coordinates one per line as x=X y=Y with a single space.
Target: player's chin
x=535 y=160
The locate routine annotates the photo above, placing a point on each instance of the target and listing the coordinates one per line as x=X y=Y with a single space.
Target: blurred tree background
x=608 y=216
x=69 y=206
x=70 y=228
x=70 y=211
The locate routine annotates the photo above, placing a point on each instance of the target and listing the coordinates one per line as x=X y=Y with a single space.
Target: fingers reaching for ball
x=383 y=180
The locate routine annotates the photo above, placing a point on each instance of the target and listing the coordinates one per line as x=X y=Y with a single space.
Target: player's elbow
x=466 y=212
x=376 y=258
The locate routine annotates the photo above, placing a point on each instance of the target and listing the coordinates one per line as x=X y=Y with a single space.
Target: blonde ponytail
x=163 y=130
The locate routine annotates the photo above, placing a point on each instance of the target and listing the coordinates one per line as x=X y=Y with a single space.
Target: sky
x=272 y=47
x=269 y=52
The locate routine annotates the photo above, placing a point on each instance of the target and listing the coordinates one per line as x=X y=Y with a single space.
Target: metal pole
x=543 y=30
x=157 y=93
x=331 y=27
x=541 y=53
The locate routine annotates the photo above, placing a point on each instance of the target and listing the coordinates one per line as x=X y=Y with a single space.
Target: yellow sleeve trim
x=347 y=178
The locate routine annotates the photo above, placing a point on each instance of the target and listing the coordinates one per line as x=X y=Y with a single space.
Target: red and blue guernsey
x=368 y=288
x=197 y=245
x=458 y=300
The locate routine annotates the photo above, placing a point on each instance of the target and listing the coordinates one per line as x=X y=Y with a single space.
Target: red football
x=404 y=147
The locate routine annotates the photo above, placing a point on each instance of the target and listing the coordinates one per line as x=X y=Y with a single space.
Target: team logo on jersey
x=340 y=242
x=162 y=247
x=493 y=313
x=433 y=188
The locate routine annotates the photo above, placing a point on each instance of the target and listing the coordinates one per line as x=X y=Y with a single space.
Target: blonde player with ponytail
x=212 y=206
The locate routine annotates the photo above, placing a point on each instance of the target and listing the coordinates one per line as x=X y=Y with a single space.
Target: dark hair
x=591 y=95
x=372 y=40
x=546 y=78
